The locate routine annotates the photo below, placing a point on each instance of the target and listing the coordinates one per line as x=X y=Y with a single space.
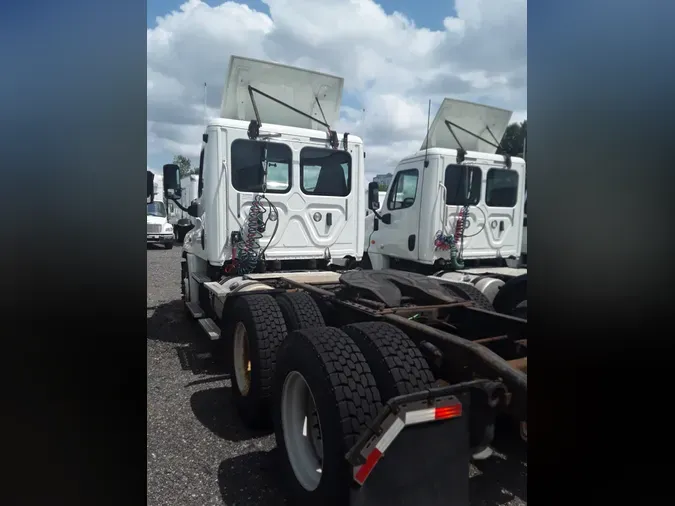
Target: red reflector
x=366 y=468
x=448 y=412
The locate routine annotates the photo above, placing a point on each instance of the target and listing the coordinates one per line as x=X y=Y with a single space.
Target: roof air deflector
x=481 y=120
x=318 y=95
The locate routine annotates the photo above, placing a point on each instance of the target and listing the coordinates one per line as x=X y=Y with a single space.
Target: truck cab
x=159 y=230
x=454 y=187
x=277 y=188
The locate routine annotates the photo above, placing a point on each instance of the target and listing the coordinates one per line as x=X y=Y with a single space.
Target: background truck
x=159 y=230
x=180 y=219
x=380 y=385
x=455 y=209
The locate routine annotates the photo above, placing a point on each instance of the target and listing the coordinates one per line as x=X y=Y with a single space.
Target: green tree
x=513 y=142
x=382 y=187
x=184 y=164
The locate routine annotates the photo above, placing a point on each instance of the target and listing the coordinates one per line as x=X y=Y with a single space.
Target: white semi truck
x=455 y=209
x=159 y=230
x=380 y=385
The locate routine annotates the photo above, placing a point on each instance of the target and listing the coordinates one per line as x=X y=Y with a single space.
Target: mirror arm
x=178 y=204
x=187 y=209
x=377 y=214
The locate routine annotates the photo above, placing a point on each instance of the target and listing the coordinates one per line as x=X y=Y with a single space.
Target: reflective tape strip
x=431 y=414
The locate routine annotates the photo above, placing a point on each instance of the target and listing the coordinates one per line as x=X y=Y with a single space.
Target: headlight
x=168 y=228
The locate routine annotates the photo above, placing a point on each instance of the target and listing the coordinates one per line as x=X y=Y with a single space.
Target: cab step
x=210 y=328
x=201 y=278
x=196 y=311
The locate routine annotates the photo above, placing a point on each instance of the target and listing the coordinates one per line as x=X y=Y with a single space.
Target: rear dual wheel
x=259 y=325
x=324 y=398
x=256 y=331
x=329 y=386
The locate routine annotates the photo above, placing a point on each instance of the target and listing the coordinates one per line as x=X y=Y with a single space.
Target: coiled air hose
x=248 y=251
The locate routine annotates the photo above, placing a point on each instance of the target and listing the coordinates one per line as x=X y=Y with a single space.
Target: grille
x=154 y=229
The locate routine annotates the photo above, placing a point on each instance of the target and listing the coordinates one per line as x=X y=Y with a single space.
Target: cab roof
x=284 y=130
x=470 y=155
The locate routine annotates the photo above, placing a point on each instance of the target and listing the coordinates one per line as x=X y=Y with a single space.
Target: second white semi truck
x=456 y=210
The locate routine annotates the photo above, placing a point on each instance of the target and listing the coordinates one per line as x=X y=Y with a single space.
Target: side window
x=462 y=183
x=325 y=172
x=501 y=188
x=248 y=161
x=200 y=184
x=403 y=190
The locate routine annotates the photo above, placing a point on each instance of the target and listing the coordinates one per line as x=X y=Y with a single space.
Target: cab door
x=402 y=205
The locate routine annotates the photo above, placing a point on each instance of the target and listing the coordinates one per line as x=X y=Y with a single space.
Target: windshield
x=156 y=209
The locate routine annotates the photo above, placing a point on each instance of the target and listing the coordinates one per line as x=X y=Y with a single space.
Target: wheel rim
x=302 y=431
x=242 y=363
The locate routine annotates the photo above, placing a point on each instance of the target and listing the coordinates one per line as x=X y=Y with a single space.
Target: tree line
x=513 y=142
x=185 y=165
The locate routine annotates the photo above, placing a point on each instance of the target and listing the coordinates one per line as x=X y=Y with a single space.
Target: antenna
x=363 y=122
x=426 y=147
x=205 y=91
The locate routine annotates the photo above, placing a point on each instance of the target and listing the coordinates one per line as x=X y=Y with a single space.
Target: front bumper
x=160 y=238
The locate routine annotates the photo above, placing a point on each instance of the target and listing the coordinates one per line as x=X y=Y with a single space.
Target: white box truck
x=159 y=230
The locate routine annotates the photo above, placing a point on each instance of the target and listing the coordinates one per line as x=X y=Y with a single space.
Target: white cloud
x=390 y=65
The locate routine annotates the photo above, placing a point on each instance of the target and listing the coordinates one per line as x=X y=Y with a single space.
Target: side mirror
x=373 y=196
x=151 y=187
x=193 y=209
x=171 y=180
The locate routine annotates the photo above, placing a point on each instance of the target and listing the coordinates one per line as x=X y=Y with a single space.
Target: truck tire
x=321 y=378
x=512 y=295
x=257 y=329
x=470 y=292
x=397 y=364
x=168 y=245
x=300 y=311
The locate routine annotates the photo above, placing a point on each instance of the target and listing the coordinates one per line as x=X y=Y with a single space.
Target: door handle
x=329 y=219
x=501 y=226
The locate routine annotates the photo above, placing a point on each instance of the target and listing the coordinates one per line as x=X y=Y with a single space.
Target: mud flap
x=427 y=464
x=418 y=449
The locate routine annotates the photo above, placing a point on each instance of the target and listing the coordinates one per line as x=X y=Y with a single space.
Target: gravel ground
x=199 y=453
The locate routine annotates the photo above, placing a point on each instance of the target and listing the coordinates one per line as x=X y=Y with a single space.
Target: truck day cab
x=380 y=385
x=455 y=209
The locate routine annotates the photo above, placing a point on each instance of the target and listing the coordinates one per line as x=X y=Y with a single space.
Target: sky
x=394 y=56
